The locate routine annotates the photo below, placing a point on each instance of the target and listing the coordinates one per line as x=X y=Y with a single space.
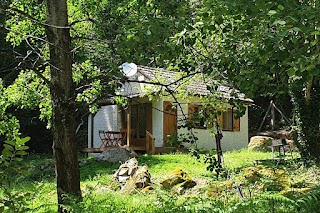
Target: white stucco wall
x=107 y=118
x=157 y=121
x=232 y=140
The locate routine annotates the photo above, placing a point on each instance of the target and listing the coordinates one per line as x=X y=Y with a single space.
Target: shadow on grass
x=94 y=168
x=42 y=167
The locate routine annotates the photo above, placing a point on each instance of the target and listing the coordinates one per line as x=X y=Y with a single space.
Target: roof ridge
x=157 y=68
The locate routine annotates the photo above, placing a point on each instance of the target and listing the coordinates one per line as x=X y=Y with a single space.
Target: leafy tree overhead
x=71 y=60
x=267 y=48
x=52 y=67
x=137 y=31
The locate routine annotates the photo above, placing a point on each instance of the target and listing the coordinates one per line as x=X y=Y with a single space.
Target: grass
x=210 y=194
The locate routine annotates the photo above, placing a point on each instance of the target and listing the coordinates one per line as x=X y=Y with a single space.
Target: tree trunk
x=63 y=105
x=307 y=118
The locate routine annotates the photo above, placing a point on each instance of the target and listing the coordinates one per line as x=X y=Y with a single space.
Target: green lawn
x=267 y=187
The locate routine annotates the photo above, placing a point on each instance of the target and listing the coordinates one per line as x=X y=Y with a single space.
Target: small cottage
x=160 y=103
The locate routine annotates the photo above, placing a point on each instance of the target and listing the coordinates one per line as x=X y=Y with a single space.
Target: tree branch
x=82 y=20
x=16 y=10
x=37 y=71
x=94 y=39
x=308 y=90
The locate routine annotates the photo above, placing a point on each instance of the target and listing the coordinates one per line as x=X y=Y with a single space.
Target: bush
x=11 y=167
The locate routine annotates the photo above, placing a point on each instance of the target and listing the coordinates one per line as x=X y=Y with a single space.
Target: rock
x=181 y=187
x=114 y=155
x=142 y=177
x=147 y=189
x=277 y=134
x=260 y=143
x=271 y=179
x=180 y=178
x=132 y=177
x=122 y=174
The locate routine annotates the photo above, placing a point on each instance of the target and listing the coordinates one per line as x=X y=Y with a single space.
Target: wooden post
x=218 y=137
x=153 y=146
x=150 y=144
x=147 y=142
x=264 y=118
x=273 y=117
x=92 y=130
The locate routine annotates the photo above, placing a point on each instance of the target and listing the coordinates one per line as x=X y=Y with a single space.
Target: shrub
x=11 y=167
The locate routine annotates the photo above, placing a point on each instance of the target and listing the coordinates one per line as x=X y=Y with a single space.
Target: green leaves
x=272 y=12
x=14 y=149
x=12 y=167
x=11 y=162
x=280 y=7
x=279 y=22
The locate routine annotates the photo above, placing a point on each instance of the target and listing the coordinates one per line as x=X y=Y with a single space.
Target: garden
x=249 y=181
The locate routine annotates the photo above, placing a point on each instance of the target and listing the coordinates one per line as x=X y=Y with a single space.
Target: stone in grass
x=142 y=177
x=130 y=176
x=179 y=180
x=126 y=170
x=260 y=143
x=295 y=192
x=272 y=179
x=181 y=187
x=147 y=190
x=115 y=155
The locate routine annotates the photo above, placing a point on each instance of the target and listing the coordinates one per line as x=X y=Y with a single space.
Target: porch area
x=114 y=139
x=111 y=126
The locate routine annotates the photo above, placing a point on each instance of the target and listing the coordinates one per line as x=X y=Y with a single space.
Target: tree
x=63 y=103
x=58 y=82
x=9 y=125
x=69 y=82
x=268 y=48
x=135 y=31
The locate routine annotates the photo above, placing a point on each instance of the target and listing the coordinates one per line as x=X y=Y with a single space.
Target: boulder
x=277 y=134
x=260 y=143
x=117 y=154
x=131 y=176
x=179 y=180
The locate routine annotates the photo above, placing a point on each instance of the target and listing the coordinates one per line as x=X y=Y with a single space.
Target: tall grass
x=99 y=196
x=234 y=160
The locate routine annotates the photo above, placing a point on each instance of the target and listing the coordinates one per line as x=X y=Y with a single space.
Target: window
x=195 y=116
x=226 y=119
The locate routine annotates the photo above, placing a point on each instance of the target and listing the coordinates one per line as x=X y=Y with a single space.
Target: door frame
x=170 y=120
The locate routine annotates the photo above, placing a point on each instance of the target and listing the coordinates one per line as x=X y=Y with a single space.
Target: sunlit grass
x=241 y=158
x=99 y=196
x=160 y=165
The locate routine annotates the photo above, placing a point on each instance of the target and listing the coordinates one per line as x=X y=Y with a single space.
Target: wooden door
x=141 y=120
x=169 y=121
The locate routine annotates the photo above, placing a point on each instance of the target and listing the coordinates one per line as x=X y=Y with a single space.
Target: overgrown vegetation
x=11 y=168
x=253 y=183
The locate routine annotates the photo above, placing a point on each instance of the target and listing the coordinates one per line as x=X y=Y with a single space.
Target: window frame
x=223 y=118
x=224 y=122
x=191 y=112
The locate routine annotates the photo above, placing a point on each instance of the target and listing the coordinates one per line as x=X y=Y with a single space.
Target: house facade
x=165 y=116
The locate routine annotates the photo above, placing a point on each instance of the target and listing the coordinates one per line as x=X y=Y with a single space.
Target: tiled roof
x=196 y=84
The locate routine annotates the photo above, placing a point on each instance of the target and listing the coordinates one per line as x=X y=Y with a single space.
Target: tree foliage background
x=263 y=47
